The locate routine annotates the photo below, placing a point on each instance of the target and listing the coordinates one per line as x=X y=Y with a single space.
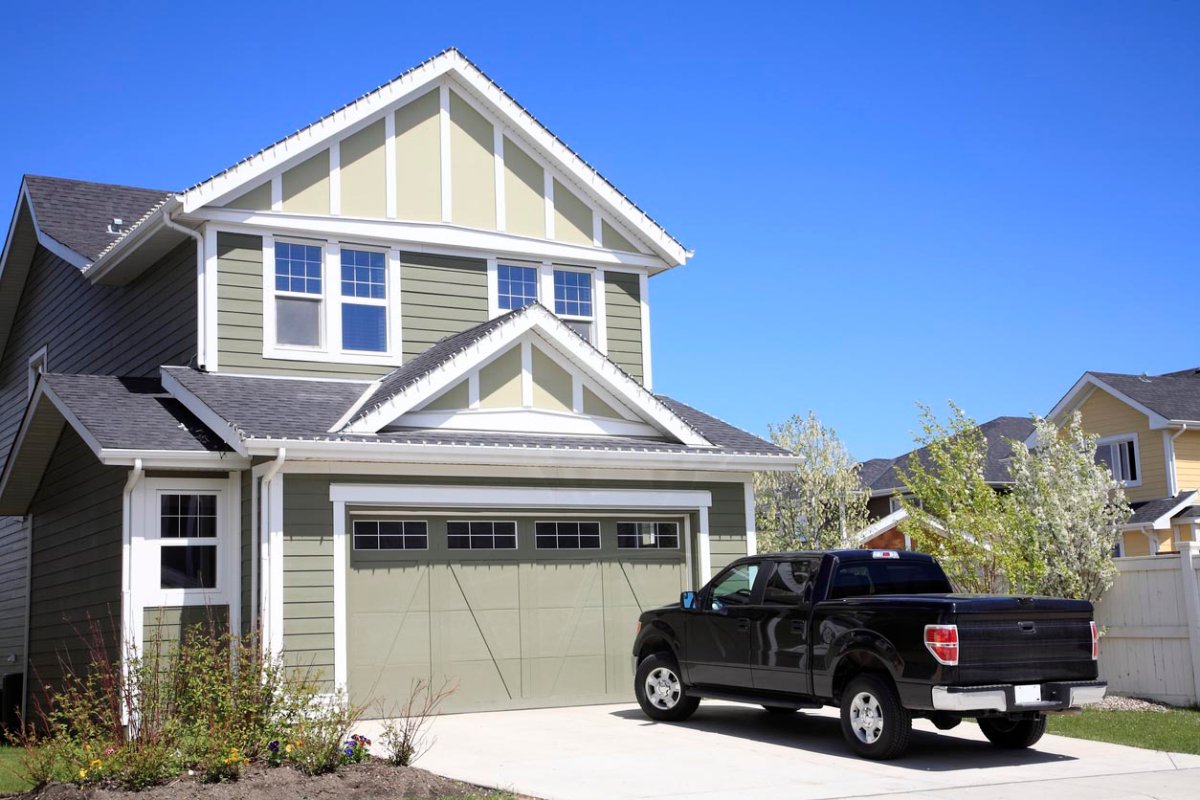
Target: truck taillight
x=1095 y=642
x=942 y=642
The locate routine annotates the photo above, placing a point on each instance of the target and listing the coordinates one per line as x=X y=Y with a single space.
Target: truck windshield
x=860 y=578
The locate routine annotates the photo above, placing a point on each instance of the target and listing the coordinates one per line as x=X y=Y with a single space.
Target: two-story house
x=1149 y=429
x=382 y=389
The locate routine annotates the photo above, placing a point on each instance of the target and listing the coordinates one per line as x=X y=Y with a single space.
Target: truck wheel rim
x=866 y=718
x=663 y=689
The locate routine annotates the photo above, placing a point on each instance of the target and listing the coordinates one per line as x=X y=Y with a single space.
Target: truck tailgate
x=1014 y=640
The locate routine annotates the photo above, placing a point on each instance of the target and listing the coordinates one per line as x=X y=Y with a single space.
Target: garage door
x=518 y=612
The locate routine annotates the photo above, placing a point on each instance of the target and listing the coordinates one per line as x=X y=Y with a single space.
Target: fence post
x=1191 y=599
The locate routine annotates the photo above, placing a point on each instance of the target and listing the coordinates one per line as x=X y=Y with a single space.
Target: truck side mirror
x=687 y=601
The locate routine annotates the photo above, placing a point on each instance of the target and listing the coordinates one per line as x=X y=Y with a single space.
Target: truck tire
x=660 y=691
x=875 y=724
x=1013 y=734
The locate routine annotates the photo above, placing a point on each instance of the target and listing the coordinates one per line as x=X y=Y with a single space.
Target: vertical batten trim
x=647 y=375
x=751 y=530
x=704 y=546
x=687 y=553
x=277 y=192
x=444 y=147
x=548 y=191
x=275 y=486
x=339 y=597
x=473 y=389
x=395 y=306
x=268 y=294
x=389 y=162
x=209 y=326
x=493 y=287
x=576 y=393
x=331 y=300
x=501 y=201
x=526 y=374
x=546 y=285
x=335 y=178
x=597 y=230
x=600 y=311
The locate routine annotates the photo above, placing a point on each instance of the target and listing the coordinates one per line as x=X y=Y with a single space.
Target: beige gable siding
x=524 y=193
x=258 y=199
x=1187 y=460
x=611 y=238
x=572 y=217
x=364 y=173
x=500 y=381
x=240 y=317
x=419 y=160
x=472 y=166
x=552 y=385
x=453 y=399
x=1105 y=415
x=623 y=303
x=596 y=407
x=306 y=186
x=440 y=296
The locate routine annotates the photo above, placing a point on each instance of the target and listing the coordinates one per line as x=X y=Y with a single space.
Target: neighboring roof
x=1159 y=512
x=999 y=433
x=131 y=413
x=880 y=525
x=869 y=471
x=77 y=213
x=305 y=410
x=1174 y=395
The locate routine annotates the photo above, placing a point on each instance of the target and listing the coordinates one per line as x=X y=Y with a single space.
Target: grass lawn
x=1177 y=731
x=9 y=765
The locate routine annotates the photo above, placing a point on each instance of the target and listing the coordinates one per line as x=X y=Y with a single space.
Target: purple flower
x=274 y=746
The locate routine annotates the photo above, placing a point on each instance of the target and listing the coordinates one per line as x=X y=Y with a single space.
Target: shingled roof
x=77 y=214
x=1174 y=395
x=999 y=433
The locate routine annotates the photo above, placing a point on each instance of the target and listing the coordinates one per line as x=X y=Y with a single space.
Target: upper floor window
x=298 y=294
x=517 y=286
x=1120 y=455
x=364 y=318
x=573 y=300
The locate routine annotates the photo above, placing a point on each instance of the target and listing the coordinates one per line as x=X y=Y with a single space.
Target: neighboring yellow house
x=1149 y=429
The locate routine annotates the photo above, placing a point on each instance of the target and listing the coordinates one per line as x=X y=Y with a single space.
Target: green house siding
x=440 y=296
x=308 y=546
x=75 y=567
x=623 y=306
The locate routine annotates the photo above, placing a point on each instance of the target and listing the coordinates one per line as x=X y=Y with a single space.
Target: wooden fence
x=1151 y=628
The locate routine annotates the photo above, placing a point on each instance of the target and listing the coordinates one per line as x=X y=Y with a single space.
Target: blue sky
x=889 y=202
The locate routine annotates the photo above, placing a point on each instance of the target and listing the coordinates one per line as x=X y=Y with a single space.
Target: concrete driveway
x=728 y=750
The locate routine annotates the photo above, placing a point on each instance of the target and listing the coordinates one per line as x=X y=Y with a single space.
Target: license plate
x=1024 y=695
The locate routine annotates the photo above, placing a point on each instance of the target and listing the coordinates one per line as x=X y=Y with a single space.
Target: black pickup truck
x=880 y=634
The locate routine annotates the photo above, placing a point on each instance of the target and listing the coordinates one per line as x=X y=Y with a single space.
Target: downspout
x=263 y=543
x=129 y=637
x=202 y=311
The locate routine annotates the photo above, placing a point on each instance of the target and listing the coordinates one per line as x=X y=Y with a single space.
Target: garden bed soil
x=372 y=779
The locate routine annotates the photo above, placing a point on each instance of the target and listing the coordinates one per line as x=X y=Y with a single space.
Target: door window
x=735 y=588
x=789 y=585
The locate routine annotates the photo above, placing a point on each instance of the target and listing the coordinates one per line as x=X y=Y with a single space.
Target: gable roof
x=77 y=213
x=407 y=387
x=870 y=470
x=999 y=434
x=1158 y=513
x=450 y=62
x=1173 y=395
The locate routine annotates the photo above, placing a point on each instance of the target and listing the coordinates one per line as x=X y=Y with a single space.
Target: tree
x=819 y=504
x=954 y=514
x=1072 y=508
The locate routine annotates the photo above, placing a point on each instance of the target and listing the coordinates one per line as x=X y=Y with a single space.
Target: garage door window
x=385 y=534
x=567 y=535
x=481 y=535
x=648 y=535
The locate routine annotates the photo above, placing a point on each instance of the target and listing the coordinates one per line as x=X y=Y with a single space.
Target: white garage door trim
x=340 y=494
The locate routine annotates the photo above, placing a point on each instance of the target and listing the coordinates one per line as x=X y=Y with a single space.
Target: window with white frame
x=481 y=535
x=516 y=286
x=298 y=294
x=364 y=301
x=188 y=540
x=567 y=535
x=391 y=534
x=647 y=535
x=573 y=300
x=1120 y=455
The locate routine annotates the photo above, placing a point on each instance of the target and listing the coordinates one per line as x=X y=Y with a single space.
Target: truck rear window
x=860 y=578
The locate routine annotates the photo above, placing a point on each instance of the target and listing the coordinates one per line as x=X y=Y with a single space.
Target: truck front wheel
x=874 y=722
x=1013 y=734
x=660 y=691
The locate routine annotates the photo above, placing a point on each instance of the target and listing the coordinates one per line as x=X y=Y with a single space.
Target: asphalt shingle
x=1174 y=395
x=1146 y=511
x=999 y=432
x=77 y=213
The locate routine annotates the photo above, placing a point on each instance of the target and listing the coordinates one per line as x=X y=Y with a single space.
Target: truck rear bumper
x=1008 y=697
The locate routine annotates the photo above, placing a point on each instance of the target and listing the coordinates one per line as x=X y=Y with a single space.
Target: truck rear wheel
x=660 y=692
x=1013 y=734
x=874 y=722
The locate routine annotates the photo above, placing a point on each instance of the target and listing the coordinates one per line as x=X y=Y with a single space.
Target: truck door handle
x=743 y=624
x=797 y=626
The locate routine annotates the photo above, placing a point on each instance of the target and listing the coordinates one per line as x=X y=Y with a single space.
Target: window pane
x=787 y=585
x=364 y=328
x=363 y=274
x=481 y=535
x=188 y=516
x=572 y=293
x=647 y=535
x=734 y=589
x=190 y=567
x=517 y=285
x=390 y=534
x=297 y=321
x=1131 y=472
x=297 y=268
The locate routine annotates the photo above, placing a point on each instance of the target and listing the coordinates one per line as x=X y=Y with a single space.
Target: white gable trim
x=880 y=525
x=467 y=76
x=525 y=420
x=1078 y=394
x=556 y=333
x=44 y=239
